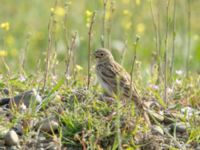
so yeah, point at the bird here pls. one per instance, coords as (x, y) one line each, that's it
(113, 78)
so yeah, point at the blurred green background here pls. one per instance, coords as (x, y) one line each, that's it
(24, 31)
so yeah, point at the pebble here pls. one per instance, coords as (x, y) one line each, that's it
(6, 91)
(154, 115)
(178, 127)
(157, 130)
(11, 138)
(27, 98)
(198, 148)
(3, 131)
(12, 148)
(19, 129)
(49, 125)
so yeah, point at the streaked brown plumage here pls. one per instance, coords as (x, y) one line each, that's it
(115, 80)
(113, 77)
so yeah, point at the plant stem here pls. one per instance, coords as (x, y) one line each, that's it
(133, 63)
(109, 27)
(173, 39)
(189, 37)
(48, 52)
(103, 23)
(165, 53)
(89, 48)
(70, 55)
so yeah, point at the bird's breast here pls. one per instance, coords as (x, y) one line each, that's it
(101, 80)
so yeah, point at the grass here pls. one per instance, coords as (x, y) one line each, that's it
(53, 42)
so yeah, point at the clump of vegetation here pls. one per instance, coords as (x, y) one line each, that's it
(48, 92)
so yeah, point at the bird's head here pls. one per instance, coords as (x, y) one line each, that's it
(102, 55)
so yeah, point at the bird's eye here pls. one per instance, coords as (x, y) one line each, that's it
(101, 54)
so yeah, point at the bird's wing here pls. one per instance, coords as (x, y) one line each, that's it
(115, 76)
(125, 81)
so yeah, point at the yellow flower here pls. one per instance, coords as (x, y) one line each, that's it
(5, 26)
(88, 13)
(79, 68)
(140, 28)
(69, 3)
(3, 53)
(10, 40)
(137, 2)
(88, 17)
(52, 10)
(107, 15)
(126, 12)
(87, 25)
(196, 37)
(60, 11)
(125, 1)
(126, 24)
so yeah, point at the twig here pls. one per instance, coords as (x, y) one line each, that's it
(154, 25)
(70, 50)
(158, 40)
(189, 37)
(24, 50)
(65, 27)
(48, 53)
(133, 62)
(165, 53)
(104, 23)
(89, 48)
(173, 38)
(109, 27)
(123, 52)
(50, 37)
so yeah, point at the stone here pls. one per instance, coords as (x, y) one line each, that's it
(11, 138)
(157, 130)
(3, 131)
(178, 127)
(27, 98)
(156, 115)
(48, 125)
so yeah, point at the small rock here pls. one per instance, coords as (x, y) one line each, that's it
(188, 111)
(156, 115)
(52, 146)
(6, 91)
(11, 138)
(3, 131)
(12, 148)
(157, 130)
(49, 125)
(19, 129)
(2, 148)
(41, 137)
(27, 98)
(178, 127)
(198, 147)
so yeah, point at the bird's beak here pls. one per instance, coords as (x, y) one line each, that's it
(94, 54)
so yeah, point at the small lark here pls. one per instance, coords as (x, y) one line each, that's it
(114, 78)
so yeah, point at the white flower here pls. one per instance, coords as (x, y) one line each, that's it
(178, 82)
(154, 87)
(179, 72)
(37, 95)
(22, 78)
(169, 90)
